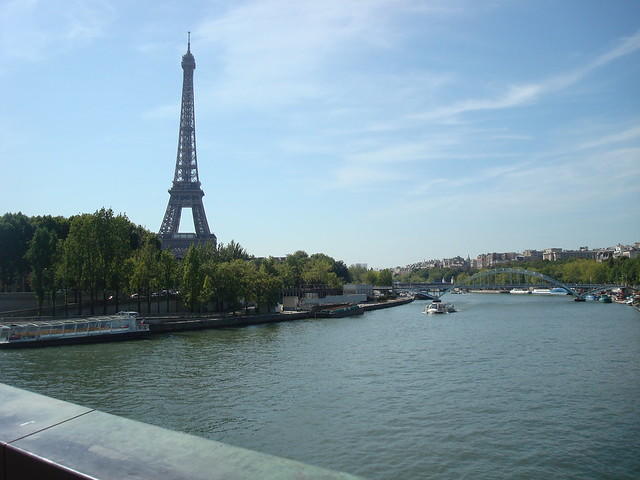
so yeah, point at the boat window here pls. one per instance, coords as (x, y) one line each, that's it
(57, 329)
(4, 333)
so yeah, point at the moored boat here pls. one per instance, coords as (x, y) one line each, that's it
(339, 311)
(558, 291)
(519, 291)
(541, 291)
(605, 299)
(118, 327)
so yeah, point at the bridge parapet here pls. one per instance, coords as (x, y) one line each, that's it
(41, 437)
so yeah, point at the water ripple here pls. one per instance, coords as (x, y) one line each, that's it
(505, 388)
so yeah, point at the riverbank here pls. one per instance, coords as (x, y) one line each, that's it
(175, 324)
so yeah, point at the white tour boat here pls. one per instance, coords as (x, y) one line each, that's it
(439, 307)
(121, 326)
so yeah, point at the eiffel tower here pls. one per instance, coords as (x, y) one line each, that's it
(186, 191)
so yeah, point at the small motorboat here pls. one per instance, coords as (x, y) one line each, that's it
(438, 307)
(605, 299)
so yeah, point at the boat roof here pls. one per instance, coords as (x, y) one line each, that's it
(69, 321)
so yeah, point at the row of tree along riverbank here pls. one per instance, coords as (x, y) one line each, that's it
(100, 262)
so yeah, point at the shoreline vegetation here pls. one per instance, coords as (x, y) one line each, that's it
(104, 260)
(100, 261)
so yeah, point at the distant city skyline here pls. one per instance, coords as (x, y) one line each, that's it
(377, 132)
(631, 250)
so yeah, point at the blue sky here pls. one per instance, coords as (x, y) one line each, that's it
(383, 132)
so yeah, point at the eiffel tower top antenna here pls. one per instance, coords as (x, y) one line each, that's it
(188, 42)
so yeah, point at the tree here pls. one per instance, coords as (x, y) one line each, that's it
(192, 278)
(286, 273)
(318, 271)
(342, 271)
(268, 289)
(168, 272)
(358, 273)
(120, 232)
(372, 277)
(8, 248)
(230, 285)
(297, 262)
(42, 255)
(231, 251)
(15, 233)
(385, 278)
(58, 225)
(81, 257)
(106, 247)
(146, 268)
(208, 290)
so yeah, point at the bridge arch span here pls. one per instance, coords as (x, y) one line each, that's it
(516, 271)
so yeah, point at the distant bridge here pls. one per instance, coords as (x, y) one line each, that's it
(507, 278)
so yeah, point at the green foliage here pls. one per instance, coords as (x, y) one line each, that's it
(146, 268)
(371, 277)
(192, 277)
(81, 258)
(15, 233)
(100, 252)
(385, 278)
(358, 274)
(41, 254)
(342, 271)
(319, 271)
(268, 289)
(231, 251)
(168, 268)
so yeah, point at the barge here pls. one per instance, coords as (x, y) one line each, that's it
(339, 311)
(112, 328)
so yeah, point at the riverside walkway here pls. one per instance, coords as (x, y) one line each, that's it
(198, 322)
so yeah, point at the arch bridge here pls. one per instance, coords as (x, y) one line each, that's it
(508, 278)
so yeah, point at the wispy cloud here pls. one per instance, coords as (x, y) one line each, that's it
(358, 176)
(279, 52)
(519, 189)
(513, 97)
(520, 95)
(629, 134)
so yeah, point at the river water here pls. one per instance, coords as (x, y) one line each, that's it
(507, 387)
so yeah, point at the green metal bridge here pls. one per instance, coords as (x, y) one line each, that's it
(508, 278)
